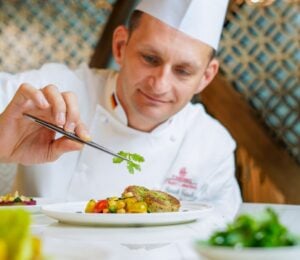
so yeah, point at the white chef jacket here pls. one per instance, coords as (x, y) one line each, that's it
(190, 155)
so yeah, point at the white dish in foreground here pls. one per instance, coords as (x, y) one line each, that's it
(73, 213)
(226, 253)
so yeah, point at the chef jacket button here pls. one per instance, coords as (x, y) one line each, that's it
(172, 138)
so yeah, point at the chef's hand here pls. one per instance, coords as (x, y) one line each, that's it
(24, 141)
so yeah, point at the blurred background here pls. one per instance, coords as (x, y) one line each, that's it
(256, 94)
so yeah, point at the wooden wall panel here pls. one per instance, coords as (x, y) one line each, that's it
(267, 173)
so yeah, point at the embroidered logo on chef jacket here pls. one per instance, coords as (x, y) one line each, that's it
(181, 186)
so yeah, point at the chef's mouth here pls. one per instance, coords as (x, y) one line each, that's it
(153, 99)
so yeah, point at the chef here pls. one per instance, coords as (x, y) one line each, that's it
(165, 56)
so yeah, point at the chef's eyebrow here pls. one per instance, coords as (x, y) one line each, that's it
(192, 64)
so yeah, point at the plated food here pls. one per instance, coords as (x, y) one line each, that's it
(135, 199)
(16, 200)
(248, 231)
(73, 213)
(252, 237)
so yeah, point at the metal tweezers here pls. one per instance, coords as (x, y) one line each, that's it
(72, 136)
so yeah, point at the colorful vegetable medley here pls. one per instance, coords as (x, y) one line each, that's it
(135, 199)
(127, 204)
(16, 199)
(248, 231)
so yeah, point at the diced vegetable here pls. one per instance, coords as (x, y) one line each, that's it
(129, 202)
(100, 206)
(137, 207)
(121, 211)
(112, 206)
(105, 211)
(90, 206)
(121, 204)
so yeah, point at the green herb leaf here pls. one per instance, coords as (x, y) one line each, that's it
(136, 157)
(131, 166)
(117, 160)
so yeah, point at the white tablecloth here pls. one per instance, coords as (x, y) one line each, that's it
(173, 242)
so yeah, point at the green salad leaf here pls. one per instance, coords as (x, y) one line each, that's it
(135, 159)
(250, 231)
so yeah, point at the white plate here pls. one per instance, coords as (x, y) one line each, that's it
(73, 213)
(31, 208)
(225, 253)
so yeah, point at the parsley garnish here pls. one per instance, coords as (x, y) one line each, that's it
(135, 159)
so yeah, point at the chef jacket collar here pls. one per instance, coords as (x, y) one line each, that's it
(113, 105)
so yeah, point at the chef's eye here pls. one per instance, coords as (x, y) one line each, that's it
(182, 72)
(150, 59)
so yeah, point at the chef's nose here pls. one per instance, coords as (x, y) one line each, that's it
(160, 81)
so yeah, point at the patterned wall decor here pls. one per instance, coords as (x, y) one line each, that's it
(33, 32)
(260, 56)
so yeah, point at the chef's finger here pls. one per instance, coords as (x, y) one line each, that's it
(26, 93)
(57, 103)
(72, 114)
(82, 132)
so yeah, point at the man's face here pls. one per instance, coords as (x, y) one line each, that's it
(160, 70)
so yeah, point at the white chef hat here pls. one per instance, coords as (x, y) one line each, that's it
(200, 19)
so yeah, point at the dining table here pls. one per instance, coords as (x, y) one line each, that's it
(175, 242)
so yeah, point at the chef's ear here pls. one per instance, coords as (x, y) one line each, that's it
(120, 38)
(209, 74)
